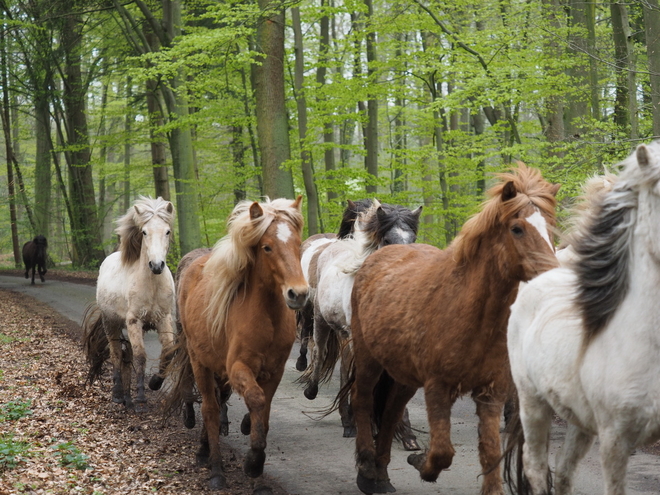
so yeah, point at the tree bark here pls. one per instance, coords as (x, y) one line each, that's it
(625, 109)
(652, 28)
(372, 104)
(272, 121)
(301, 102)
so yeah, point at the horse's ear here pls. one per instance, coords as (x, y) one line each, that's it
(376, 203)
(417, 212)
(170, 207)
(297, 203)
(350, 205)
(509, 191)
(642, 153)
(256, 211)
(137, 210)
(555, 189)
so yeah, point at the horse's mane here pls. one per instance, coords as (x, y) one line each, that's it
(229, 264)
(129, 226)
(351, 212)
(602, 245)
(530, 186)
(364, 239)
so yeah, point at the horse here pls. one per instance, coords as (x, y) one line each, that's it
(583, 338)
(310, 250)
(235, 308)
(431, 318)
(379, 226)
(34, 256)
(135, 291)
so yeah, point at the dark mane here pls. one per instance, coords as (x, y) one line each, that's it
(353, 209)
(602, 245)
(530, 186)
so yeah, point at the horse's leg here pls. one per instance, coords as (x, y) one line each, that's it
(614, 455)
(33, 269)
(42, 272)
(536, 420)
(126, 371)
(224, 392)
(136, 337)
(441, 451)
(489, 410)
(345, 410)
(306, 321)
(404, 430)
(319, 354)
(211, 416)
(398, 396)
(367, 373)
(113, 334)
(166, 339)
(243, 381)
(576, 444)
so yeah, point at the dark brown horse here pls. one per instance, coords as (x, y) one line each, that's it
(436, 319)
(235, 311)
(34, 257)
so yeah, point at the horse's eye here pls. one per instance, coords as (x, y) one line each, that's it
(517, 230)
(167, 233)
(144, 233)
(268, 249)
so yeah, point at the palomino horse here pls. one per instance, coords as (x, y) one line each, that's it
(34, 257)
(583, 339)
(235, 310)
(436, 319)
(134, 290)
(310, 250)
(379, 226)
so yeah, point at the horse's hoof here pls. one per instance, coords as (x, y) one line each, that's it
(301, 363)
(410, 444)
(218, 482)
(224, 429)
(118, 399)
(350, 432)
(189, 417)
(246, 424)
(311, 391)
(262, 490)
(417, 461)
(156, 382)
(202, 459)
(370, 486)
(254, 463)
(141, 406)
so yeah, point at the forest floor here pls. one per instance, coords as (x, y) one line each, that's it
(58, 435)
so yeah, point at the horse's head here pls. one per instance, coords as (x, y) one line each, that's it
(397, 224)
(278, 252)
(145, 233)
(41, 241)
(527, 232)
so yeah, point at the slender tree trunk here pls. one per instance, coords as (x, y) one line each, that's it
(590, 17)
(128, 128)
(554, 107)
(624, 115)
(652, 27)
(301, 101)
(577, 107)
(272, 121)
(372, 104)
(42, 168)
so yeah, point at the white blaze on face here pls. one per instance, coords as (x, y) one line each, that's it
(537, 220)
(404, 234)
(283, 232)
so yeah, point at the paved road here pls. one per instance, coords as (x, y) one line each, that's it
(309, 456)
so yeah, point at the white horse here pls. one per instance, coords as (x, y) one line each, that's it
(135, 291)
(583, 340)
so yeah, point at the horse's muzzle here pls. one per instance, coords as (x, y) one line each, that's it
(296, 299)
(157, 268)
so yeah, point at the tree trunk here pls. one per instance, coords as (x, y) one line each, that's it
(554, 106)
(42, 169)
(625, 111)
(272, 121)
(305, 158)
(181, 147)
(372, 104)
(652, 27)
(84, 223)
(577, 107)
(128, 121)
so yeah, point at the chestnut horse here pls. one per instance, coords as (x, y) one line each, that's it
(423, 317)
(238, 328)
(34, 257)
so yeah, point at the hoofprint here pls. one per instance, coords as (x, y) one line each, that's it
(583, 340)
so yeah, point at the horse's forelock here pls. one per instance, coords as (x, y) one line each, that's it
(530, 187)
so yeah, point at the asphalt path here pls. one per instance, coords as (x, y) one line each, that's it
(307, 455)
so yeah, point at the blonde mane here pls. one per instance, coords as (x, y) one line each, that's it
(129, 226)
(229, 264)
(530, 186)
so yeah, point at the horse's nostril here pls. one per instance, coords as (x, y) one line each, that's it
(291, 294)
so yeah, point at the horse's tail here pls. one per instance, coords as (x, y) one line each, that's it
(514, 475)
(94, 341)
(179, 370)
(327, 366)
